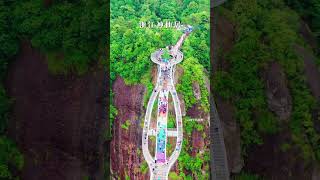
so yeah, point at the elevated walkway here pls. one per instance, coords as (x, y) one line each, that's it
(219, 163)
(171, 132)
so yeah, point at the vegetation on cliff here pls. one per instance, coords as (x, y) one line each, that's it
(267, 31)
(131, 46)
(193, 167)
(193, 72)
(310, 11)
(69, 33)
(11, 160)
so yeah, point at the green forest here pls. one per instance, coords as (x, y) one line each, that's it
(266, 31)
(131, 48)
(310, 12)
(71, 35)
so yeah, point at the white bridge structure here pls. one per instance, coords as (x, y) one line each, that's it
(160, 164)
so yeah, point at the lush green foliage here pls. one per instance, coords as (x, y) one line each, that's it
(193, 165)
(71, 34)
(193, 73)
(174, 176)
(131, 46)
(171, 121)
(126, 125)
(4, 110)
(190, 124)
(310, 10)
(113, 113)
(11, 159)
(8, 40)
(166, 54)
(127, 177)
(266, 30)
(147, 81)
(242, 84)
(144, 167)
(281, 40)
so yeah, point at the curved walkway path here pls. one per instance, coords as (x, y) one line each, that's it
(160, 165)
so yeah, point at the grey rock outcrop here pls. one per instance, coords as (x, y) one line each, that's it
(196, 90)
(182, 105)
(316, 172)
(278, 96)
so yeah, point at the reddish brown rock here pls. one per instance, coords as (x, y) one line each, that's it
(55, 119)
(197, 142)
(128, 99)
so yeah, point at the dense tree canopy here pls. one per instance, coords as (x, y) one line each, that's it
(266, 30)
(310, 10)
(11, 161)
(131, 48)
(8, 39)
(72, 34)
(65, 30)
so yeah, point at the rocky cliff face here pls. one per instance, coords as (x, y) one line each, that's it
(196, 90)
(225, 37)
(316, 172)
(125, 156)
(125, 152)
(308, 36)
(277, 92)
(269, 159)
(55, 119)
(231, 130)
(312, 71)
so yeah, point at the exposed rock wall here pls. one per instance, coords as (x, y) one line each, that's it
(312, 71)
(231, 133)
(54, 119)
(278, 96)
(125, 158)
(231, 130)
